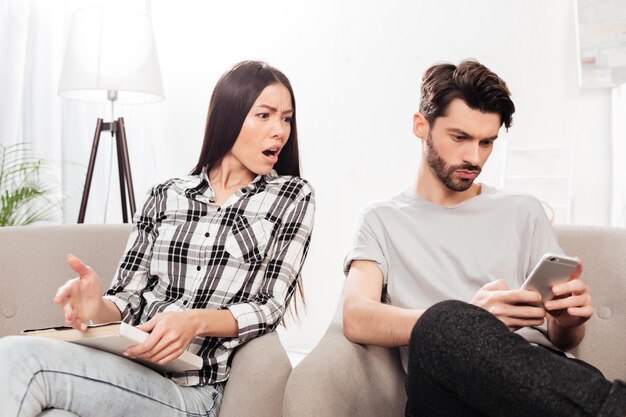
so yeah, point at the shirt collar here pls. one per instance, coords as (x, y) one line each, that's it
(271, 176)
(195, 180)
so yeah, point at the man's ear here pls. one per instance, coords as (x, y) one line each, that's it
(420, 126)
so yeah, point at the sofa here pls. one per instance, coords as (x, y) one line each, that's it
(33, 266)
(342, 379)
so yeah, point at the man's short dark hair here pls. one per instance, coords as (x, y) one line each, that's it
(480, 88)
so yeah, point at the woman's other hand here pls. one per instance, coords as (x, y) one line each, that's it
(170, 335)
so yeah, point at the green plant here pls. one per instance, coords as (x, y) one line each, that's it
(25, 197)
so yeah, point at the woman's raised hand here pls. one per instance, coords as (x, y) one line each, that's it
(80, 298)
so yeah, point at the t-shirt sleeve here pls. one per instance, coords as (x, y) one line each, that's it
(367, 244)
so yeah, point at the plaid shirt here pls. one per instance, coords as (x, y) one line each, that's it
(245, 256)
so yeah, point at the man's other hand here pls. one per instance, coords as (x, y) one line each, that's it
(515, 308)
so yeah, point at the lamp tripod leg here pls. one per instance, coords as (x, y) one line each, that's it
(121, 172)
(92, 161)
(123, 164)
(121, 131)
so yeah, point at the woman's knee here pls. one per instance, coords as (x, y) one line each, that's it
(11, 346)
(19, 349)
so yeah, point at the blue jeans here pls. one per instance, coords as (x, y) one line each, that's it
(38, 373)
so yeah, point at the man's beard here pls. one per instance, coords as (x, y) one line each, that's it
(444, 172)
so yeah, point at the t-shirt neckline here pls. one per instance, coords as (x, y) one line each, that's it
(485, 190)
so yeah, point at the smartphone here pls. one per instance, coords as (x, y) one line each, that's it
(550, 270)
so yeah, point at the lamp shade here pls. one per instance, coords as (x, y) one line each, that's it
(111, 50)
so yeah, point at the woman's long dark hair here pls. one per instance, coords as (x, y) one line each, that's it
(233, 96)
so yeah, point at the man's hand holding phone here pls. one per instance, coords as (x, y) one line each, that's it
(570, 304)
(564, 294)
(554, 286)
(516, 308)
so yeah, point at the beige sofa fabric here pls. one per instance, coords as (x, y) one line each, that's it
(342, 379)
(32, 266)
(603, 251)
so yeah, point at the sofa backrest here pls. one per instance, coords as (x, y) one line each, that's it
(603, 252)
(33, 266)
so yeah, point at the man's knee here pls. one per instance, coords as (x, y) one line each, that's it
(446, 324)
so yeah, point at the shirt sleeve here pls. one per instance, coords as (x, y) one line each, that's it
(286, 258)
(366, 244)
(132, 276)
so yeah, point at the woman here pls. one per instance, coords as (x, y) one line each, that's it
(212, 263)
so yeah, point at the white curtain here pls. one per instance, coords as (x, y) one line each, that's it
(32, 43)
(618, 136)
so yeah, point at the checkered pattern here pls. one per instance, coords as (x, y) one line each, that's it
(245, 255)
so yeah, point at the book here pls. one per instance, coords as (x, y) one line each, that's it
(115, 338)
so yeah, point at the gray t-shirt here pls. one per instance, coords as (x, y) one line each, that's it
(429, 253)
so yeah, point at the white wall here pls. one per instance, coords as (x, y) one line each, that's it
(355, 67)
(618, 133)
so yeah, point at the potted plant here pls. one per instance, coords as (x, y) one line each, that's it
(24, 196)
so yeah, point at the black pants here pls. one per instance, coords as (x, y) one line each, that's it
(463, 361)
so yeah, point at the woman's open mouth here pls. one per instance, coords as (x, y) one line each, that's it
(271, 154)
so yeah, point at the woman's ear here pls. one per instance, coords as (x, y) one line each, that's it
(420, 126)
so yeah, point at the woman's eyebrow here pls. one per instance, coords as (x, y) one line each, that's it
(273, 109)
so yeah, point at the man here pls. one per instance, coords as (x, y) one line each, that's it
(498, 351)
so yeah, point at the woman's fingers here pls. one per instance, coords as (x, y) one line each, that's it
(170, 351)
(77, 265)
(169, 358)
(164, 343)
(68, 311)
(69, 298)
(65, 292)
(145, 349)
(83, 294)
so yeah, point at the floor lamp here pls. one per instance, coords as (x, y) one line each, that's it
(118, 132)
(111, 58)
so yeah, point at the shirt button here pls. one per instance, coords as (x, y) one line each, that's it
(198, 267)
(219, 209)
(207, 234)
(244, 190)
(185, 302)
